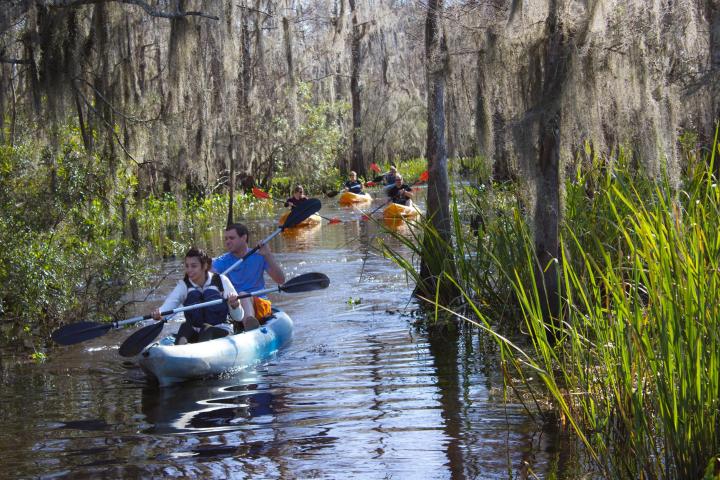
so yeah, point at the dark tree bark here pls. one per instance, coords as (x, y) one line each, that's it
(356, 57)
(556, 55)
(437, 255)
(287, 39)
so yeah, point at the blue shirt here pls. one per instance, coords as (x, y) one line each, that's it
(246, 277)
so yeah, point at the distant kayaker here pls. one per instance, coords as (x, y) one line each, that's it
(249, 275)
(297, 198)
(400, 193)
(353, 185)
(201, 285)
(389, 176)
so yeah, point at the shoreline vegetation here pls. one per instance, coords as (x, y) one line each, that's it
(632, 363)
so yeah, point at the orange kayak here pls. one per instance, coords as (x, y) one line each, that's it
(308, 222)
(395, 210)
(348, 198)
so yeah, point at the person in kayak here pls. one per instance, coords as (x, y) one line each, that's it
(400, 193)
(297, 198)
(389, 176)
(249, 275)
(353, 185)
(201, 285)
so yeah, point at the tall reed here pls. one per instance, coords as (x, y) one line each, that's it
(635, 371)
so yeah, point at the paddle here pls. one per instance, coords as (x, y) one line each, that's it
(257, 193)
(136, 342)
(423, 178)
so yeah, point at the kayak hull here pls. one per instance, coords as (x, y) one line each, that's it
(169, 364)
(395, 210)
(311, 221)
(349, 198)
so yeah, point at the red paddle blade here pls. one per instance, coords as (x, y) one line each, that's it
(424, 176)
(334, 220)
(257, 193)
(370, 184)
(374, 167)
(365, 218)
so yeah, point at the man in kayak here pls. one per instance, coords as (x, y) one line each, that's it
(389, 177)
(353, 185)
(201, 285)
(249, 275)
(297, 198)
(400, 193)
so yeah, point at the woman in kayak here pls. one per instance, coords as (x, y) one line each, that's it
(201, 285)
(297, 198)
(353, 185)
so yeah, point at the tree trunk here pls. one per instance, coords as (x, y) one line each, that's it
(287, 38)
(547, 207)
(437, 253)
(357, 163)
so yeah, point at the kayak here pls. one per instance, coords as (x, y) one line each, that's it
(348, 198)
(308, 222)
(168, 363)
(395, 210)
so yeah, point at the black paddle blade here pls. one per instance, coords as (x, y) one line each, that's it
(79, 332)
(306, 282)
(302, 211)
(331, 193)
(136, 342)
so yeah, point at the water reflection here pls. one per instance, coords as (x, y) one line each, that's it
(207, 406)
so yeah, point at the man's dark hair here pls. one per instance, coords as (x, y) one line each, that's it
(240, 229)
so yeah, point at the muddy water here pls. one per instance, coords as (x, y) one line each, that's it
(360, 393)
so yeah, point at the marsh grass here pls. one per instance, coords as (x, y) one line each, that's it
(632, 365)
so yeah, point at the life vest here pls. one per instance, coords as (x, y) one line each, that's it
(215, 314)
(354, 187)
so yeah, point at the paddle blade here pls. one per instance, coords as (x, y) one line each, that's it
(365, 218)
(257, 193)
(301, 212)
(424, 176)
(79, 332)
(374, 167)
(332, 193)
(306, 282)
(136, 342)
(334, 220)
(379, 178)
(370, 184)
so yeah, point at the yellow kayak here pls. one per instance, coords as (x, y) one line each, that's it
(395, 210)
(348, 198)
(308, 222)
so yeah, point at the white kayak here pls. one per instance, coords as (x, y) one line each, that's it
(169, 363)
